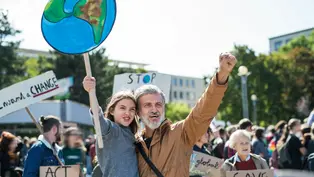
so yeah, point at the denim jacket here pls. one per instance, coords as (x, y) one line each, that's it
(40, 154)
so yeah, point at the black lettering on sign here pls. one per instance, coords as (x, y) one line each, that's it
(13, 100)
(153, 77)
(66, 170)
(206, 163)
(262, 174)
(235, 174)
(51, 173)
(131, 80)
(55, 172)
(138, 77)
(44, 87)
(28, 95)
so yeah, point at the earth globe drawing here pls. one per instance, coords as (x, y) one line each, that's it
(77, 26)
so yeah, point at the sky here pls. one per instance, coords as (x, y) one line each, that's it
(180, 37)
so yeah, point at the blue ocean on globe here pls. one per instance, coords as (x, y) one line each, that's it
(73, 35)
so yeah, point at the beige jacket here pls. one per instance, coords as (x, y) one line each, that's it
(172, 144)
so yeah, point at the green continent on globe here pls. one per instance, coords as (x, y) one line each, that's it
(94, 12)
(54, 11)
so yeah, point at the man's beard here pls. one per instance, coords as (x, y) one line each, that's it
(153, 125)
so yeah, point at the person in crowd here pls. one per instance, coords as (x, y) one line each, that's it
(8, 156)
(89, 142)
(310, 119)
(118, 127)
(290, 149)
(217, 143)
(258, 144)
(306, 135)
(279, 127)
(73, 153)
(310, 145)
(92, 148)
(246, 124)
(45, 152)
(270, 134)
(227, 149)
(200, 146)
(240, 140)
(24, 151)
(223, 134)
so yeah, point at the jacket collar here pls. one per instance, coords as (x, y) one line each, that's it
(232, 160)
(47, 144)
(237, 158)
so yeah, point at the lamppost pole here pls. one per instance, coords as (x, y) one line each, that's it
(243, 73)
(254, 101)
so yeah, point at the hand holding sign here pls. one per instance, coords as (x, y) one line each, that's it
(89, 83)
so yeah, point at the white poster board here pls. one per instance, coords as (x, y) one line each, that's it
(205, 165)
(251, 173)
(60, 171)
(133, 81)
(28, 92)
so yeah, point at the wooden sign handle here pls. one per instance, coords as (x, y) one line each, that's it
(42, 132)
(94, 103)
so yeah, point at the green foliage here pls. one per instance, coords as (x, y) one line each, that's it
(279, 80)
(177, 111)
(11, 66)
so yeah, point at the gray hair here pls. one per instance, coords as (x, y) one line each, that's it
(234, 138)
(148, 89)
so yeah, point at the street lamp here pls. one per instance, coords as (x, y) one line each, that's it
(244, 73)
(254, 100)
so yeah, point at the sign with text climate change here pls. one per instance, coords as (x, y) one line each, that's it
(133, 81)
(28, 92)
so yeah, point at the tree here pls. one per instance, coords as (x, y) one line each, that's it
(73, 65)
(301, 52)
(177, 111)
(279, 80)
(11, 66)
(266, 81)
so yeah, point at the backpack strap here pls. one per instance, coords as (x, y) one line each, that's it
(148, 161)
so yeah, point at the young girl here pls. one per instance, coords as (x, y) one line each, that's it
(118, 126)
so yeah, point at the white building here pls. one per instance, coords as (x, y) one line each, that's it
(276, 42)
(186, 89)
(31, 53)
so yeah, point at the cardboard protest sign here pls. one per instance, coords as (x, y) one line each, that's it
(205, 165)
(251, 173)
(60, 171)
(28, 92)
(134, 80)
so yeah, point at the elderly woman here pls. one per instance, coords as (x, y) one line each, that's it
(240, 140)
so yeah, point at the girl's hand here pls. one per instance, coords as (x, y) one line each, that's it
(89, 83)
